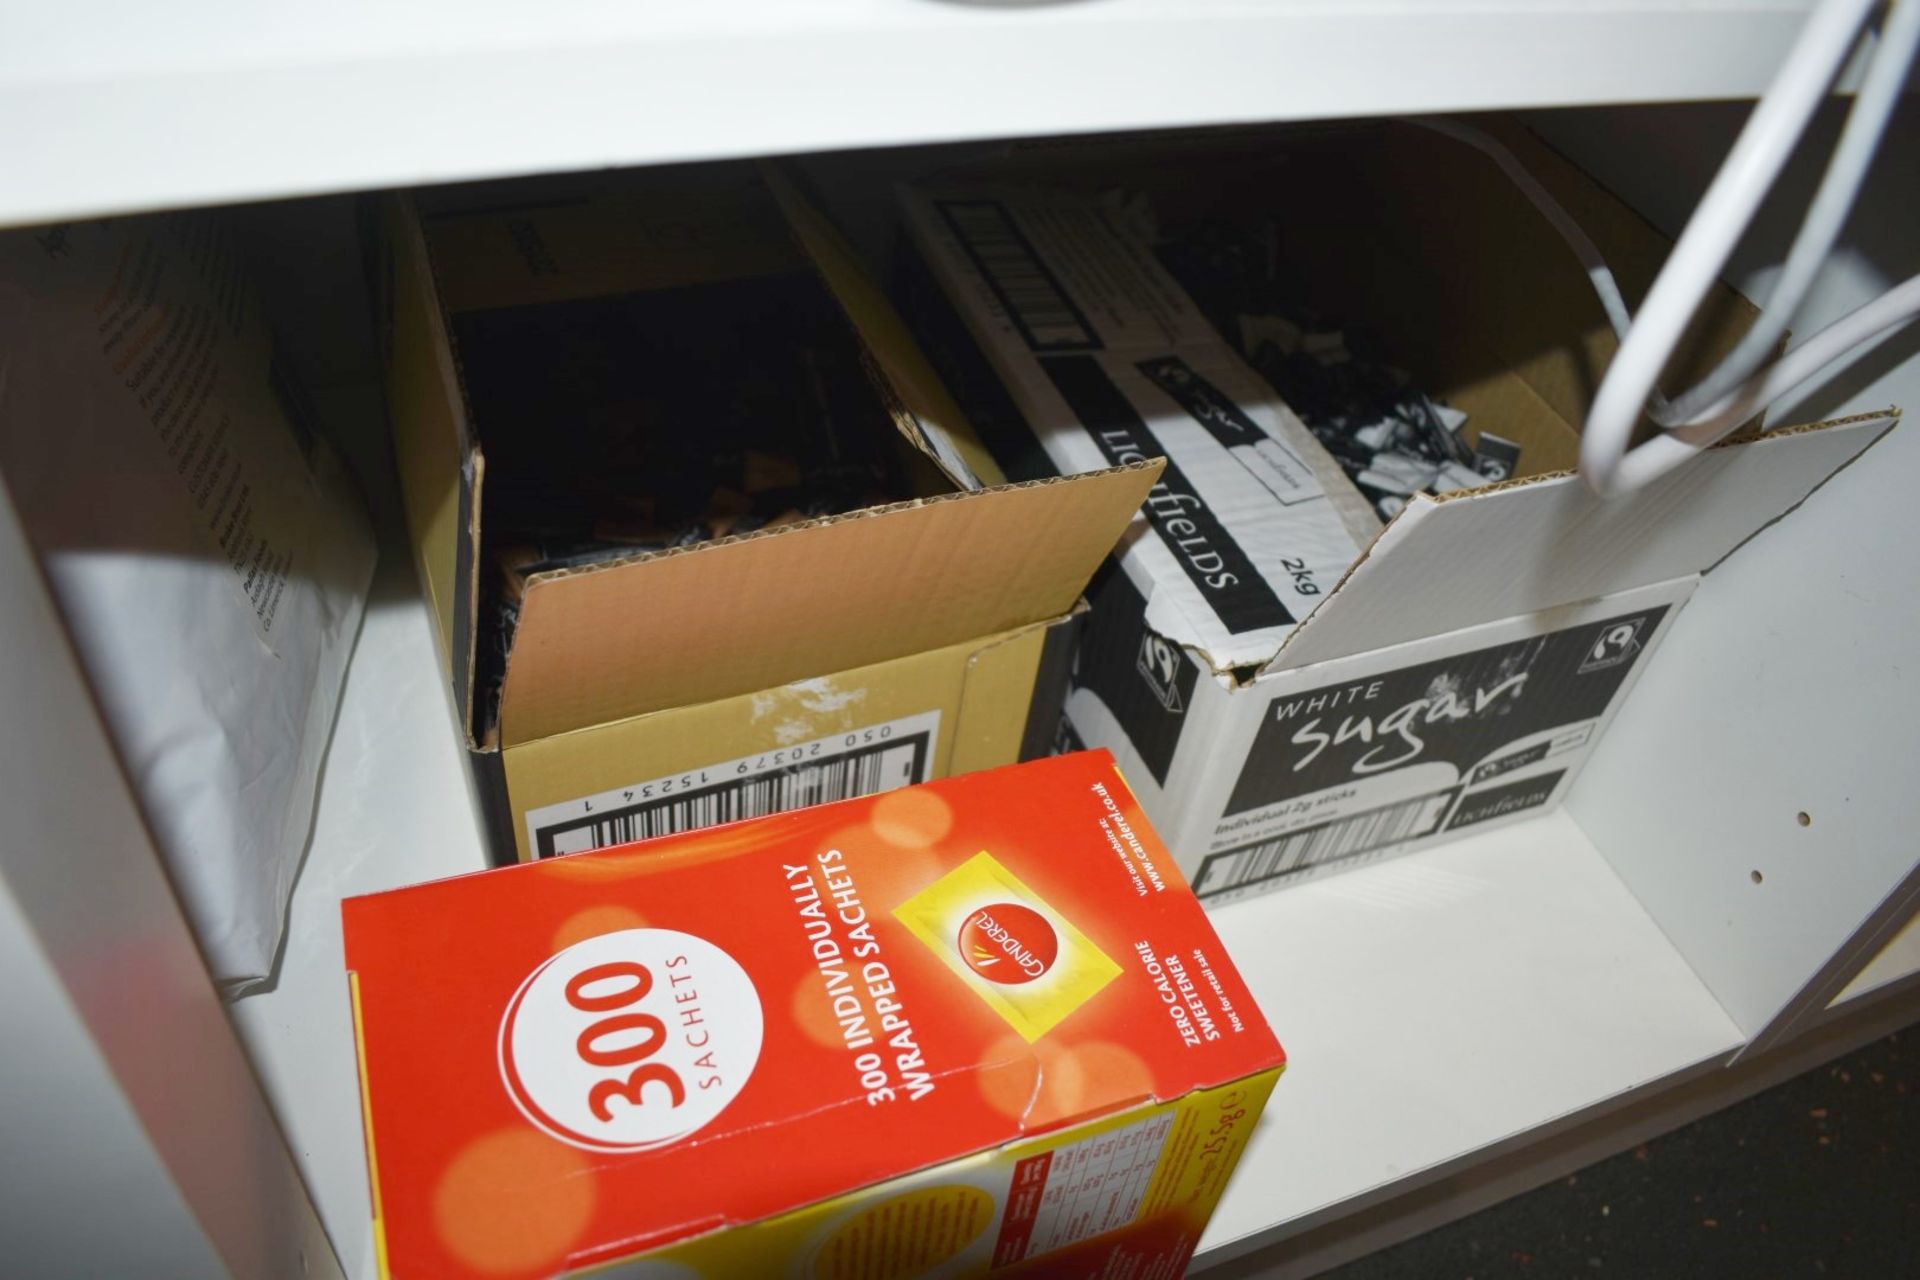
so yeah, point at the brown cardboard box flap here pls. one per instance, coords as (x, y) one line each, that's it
(439, 467)
(1550, 541)
(621, 640)
(943, 432)
(537, 241)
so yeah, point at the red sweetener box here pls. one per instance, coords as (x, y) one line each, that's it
(969, 1028)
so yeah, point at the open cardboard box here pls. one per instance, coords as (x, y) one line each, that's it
(747, 674)
(1465, 664)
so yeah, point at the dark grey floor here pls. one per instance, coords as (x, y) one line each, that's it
(1819, 1176)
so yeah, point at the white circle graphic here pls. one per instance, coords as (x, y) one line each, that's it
(630, 1040)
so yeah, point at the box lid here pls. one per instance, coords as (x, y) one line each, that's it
(525, 1033)
(723, 618)
(931, 418)
(1467, 558)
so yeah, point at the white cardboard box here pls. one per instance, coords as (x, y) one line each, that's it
(1315, 769)
(1361, 695)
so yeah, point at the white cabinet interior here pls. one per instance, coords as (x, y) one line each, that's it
(1466, 1009)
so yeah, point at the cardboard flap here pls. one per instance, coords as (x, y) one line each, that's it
(525, 242)
(1455, 562)
(938, 428)
(440, 467)
(732, 617)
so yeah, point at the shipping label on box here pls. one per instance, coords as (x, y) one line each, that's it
(1109, 361)
(978, 1026)
(853, 733)
(1324, 767)
(862, 761)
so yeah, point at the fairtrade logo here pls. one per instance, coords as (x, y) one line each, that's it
(1613, 646)
(1008, 943)
(1159, 663)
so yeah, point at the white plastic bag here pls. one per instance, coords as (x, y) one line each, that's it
(210, 557)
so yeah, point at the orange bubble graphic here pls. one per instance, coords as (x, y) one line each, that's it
(1009, 1073)
(813, 1012)
(1112, 1075)
(513, 1201)
(594, 921)
(913, 818)
(1046, 1084)
(851, 841)
(883, 873)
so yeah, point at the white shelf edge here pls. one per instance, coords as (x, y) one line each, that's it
(212, 101)
(1898, 962)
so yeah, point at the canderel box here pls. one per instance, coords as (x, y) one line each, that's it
(974, 1027)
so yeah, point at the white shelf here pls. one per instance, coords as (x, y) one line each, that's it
(128, 106)
(1438, 1006)
(1433, 1007)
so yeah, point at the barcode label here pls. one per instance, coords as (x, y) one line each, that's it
(1299, 851)
(1031, 294)
(840, 766)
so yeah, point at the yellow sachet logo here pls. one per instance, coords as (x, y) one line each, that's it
(1022, 957)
